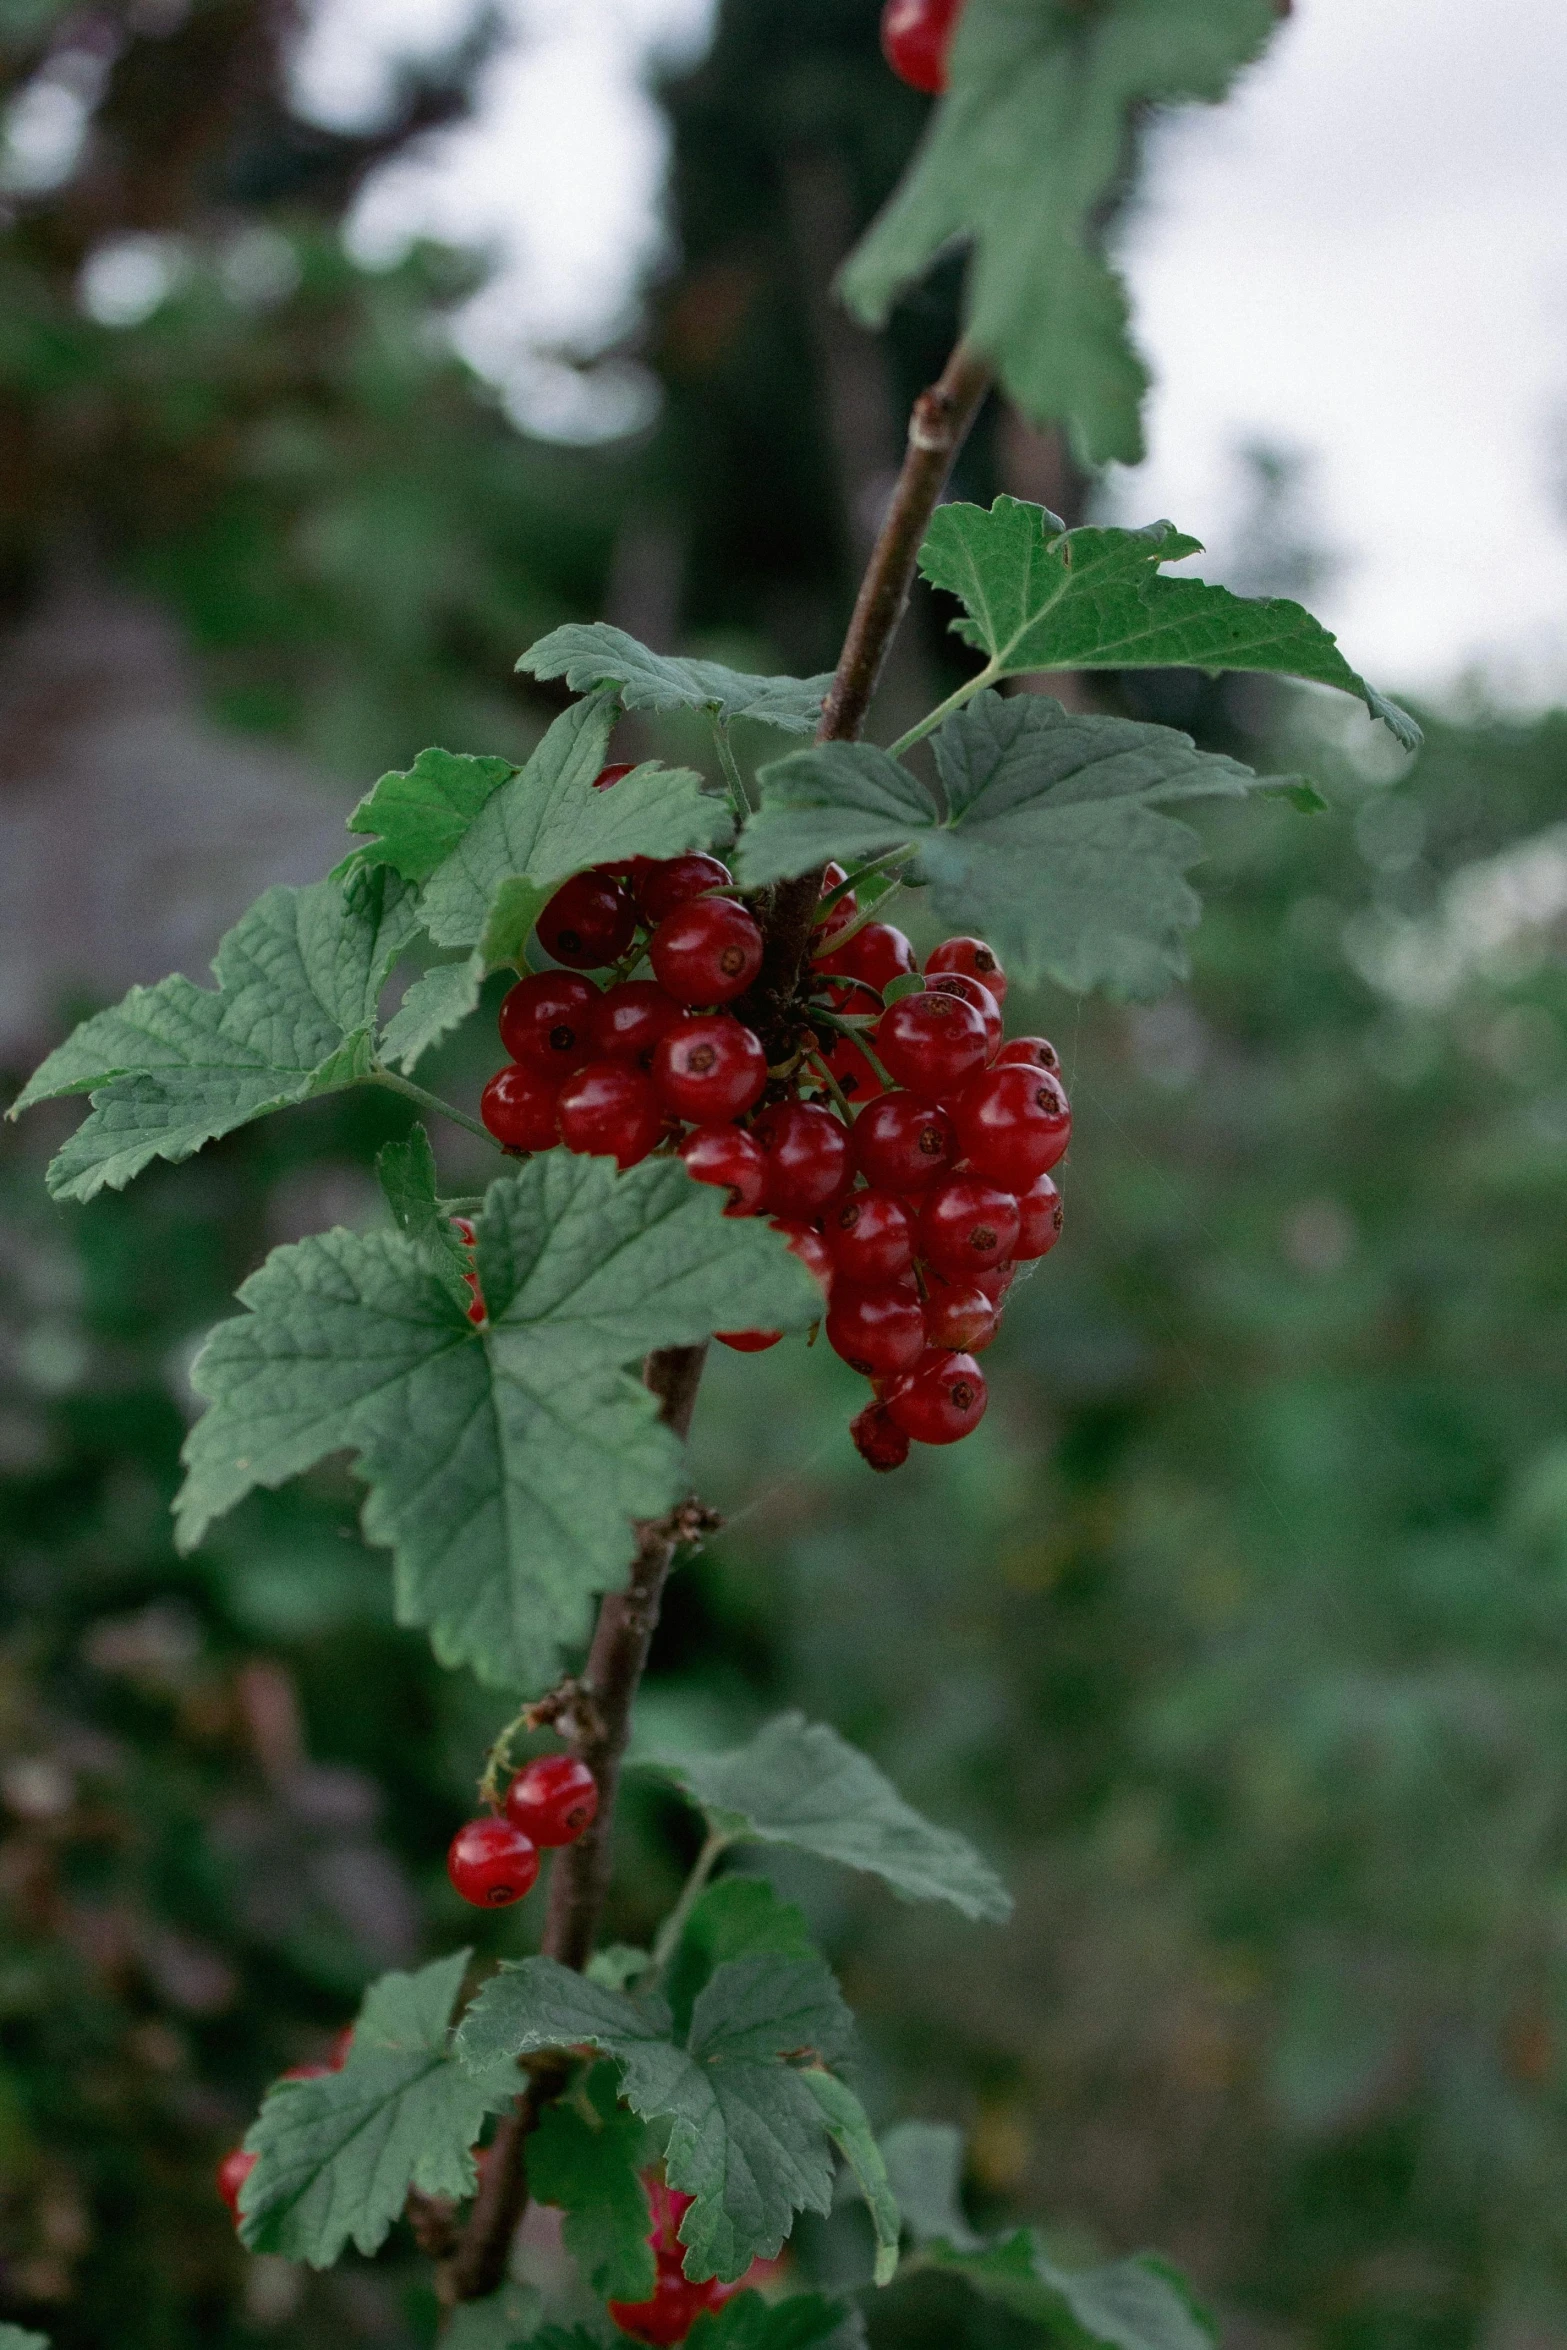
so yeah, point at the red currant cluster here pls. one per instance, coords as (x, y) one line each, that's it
(915, 38)
(676, 2303)
(494, 1860)
(237, 2165)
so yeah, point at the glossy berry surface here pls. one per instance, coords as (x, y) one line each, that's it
(553, 1800)
(839, 914)
(608, 777)
(1039, 1218)
(967, 1226)
(667, 882)
(590, 921)
(959, 1315)
(518, 1107)
(609, 1110)
(709, 1069)
(628, 1021)
(853, 1072)
(876, 1331)
(973, 991)
(723, 1155)
(915, 38)
(706, 952)
(675, 2306)
(1013, 1123)
(878, 1439)
(807, 1153)
(748, 1342)
(974, 959)
(930, 1043)
(546, 1022)
(901, 1144)
(941, 1401)
(876, 955)
(491, 1863)
(232, 2172)
(1036, 1052)
(809, 1246)
(871, 1236)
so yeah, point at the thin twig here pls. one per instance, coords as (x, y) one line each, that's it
(431, 1101)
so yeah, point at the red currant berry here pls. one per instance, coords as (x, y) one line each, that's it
(709, 1069)
(878, 1439)
(876, 955)
(628, 1021)
(996, 1282)
(337, 2054)
(706, 952)
(974, 958)
(668, 882)
(518, 1107)
(839, 914)
(589, 921)
(1039, 1218)
(931, 1043)
(608, 777)
(877, 1331)
(233, 2171)
(669, 2206)
(915, 38)
(941, 1400)
(901, 1144)
(476, 1311)
(725, 1156)
(307, 2072)
(1035, 1052)
(748, 1342)
(959, 1315)
(668, 2317)
(852, 1072)
(809, 1246)
(871, 1235)
(609, 1110)
(966, 1226)
(546, 1022)
(463, 1227)
(807, 1152)
(974, 992)
(491, 1863)
(1013, 1123)
(553, 1799)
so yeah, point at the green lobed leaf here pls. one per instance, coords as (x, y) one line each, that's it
(420, 814)
(739, 1917)
(746, 2136)
(798, 1783)
(591, 654)
(505, 2321)
(1137, 2304)
(925, 2171)
(438, 1001)
(750, 2323)
(336, 2156)
(851, 2133)
(1039, 596)
(292, 1016)
(1053, 841)
(506, 1466)
(408, 1179)
(548, 822)
(1018, 163)
(590, 2169)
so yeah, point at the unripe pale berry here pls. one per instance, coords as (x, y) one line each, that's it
(589, 921)
(609, 1110)
(553, 1799)
(973, 956)
(546, 1022)
(706, 952)
(491, 1863)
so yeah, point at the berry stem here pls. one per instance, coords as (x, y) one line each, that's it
(673, 1927)
(943, 710)
(744, 806)
(431, 1101)
(874, 912)
(833, 1087)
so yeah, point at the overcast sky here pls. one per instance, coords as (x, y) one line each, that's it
(1362, 257)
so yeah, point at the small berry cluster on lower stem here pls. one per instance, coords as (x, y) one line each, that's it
(237, 2164)
(494, 1860)
(675, 2303)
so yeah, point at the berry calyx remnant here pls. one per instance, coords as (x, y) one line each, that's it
(553, 1800)
(709, 1068)
(491, 1863)
(974, 959)
(878, 1439)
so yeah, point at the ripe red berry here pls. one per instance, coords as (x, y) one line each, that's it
(901, 1144)
(807, 1152)
(809, 1246)
(931, 1043)
(974, 992)
(337, 2053)
(589, 921)
(628, 1021)
(232, 2172)
(855, 1077)
(748, 1342)
(941, 1400)
(1013, 1123)
(706, 952)
(553, 1799)
(972, 956)
(673, 2310)
(959, 1315)
(609, 1110)
(725, 1156)
(878, 1439)
(491, 1863)
(915, 38)
(546, 1021)
(307, 2072)
(607, 777)
(464, 1228)
(876, 955)
(871, 1236)
(518, 1107)
(967, 1225)
(667, 882)
(877, 1331)
(1035, 1052)
(709, 1068)
(996, 1282)
(477, 1311)
(1039, 1218)
(839, 914)
(669, 2206)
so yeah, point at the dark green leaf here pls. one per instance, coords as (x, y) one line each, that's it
(590, 2169)
(18, 2338)
(740, 1917)
(292, 1016)
(505, 2321)
(506, 1465)
(750, 2323)
(1138, 2304)
(1042, 597)
(437, 1002)
(798, 1783)
(1018, 162)
(591, 654)
(925, 2170)
(336, 2156)
(852, 2135)
(407, 1172)
(420, 815)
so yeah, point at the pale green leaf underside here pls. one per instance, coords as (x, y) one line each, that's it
(337, 2156)
(176, 1065)
(1053, 842)
(506, 1467)
(438, 1001)
(747, 2137)
(1137, 2304)
(798, 1783)
(591, 654)
(420, 814)
(850, 2130)
(1040, 597)
(1019, 159)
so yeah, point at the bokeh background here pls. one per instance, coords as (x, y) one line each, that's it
(343, 353)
